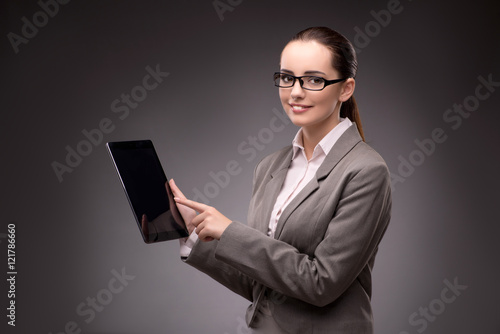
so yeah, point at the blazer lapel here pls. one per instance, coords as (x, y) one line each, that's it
(344, 144)
(272, 190)
(295, 202)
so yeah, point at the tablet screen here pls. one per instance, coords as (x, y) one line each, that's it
(143, 180)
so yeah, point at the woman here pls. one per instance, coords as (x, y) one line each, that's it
(318, 211)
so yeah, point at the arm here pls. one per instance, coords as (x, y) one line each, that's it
(202, 257)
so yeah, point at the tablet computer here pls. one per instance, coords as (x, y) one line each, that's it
(147, 190)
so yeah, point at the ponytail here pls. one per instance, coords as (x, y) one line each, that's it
(349, 109)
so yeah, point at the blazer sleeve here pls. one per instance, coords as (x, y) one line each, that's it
(202, 257)
(350, 242)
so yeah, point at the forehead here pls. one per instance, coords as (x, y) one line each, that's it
(301, 56)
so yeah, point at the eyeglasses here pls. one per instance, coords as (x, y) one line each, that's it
(285, 80)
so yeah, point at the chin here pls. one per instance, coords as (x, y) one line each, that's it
(297, 121)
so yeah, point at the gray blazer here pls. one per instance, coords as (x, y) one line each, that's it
(315, 276)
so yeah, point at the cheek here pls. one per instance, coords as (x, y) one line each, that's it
(282, 94)
(284, 97)
(327, 101)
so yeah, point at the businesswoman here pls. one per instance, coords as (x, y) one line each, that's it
(318, 211)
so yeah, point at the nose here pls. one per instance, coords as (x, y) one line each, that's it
(297, 90)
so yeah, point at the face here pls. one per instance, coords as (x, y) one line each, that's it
(312, 109)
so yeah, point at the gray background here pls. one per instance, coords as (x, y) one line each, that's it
(72, 234)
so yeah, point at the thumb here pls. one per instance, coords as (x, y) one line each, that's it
(175, 190)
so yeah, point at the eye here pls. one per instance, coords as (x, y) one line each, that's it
(286, 78)
(315, 81)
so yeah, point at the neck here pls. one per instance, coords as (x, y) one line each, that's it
(312, 134)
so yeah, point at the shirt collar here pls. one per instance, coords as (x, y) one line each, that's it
(325, 144)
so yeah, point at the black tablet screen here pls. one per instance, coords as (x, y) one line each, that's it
(143, 179)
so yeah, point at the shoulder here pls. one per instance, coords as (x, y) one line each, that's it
(275, 158)
(351, 155)
(367, 165)
(365, 155)
(271, 163)
(359, 153)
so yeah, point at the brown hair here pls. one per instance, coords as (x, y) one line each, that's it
(344, 60)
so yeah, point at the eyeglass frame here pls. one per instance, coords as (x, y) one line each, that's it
(301, 82)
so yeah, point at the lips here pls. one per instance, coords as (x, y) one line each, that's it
(299, 108)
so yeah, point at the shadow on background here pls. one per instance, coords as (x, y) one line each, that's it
(73, 77)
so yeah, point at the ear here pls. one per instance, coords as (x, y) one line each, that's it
(347, 90)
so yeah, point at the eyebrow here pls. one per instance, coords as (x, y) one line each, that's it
(306, 72)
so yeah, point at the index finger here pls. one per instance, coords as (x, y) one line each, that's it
(200, 207)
